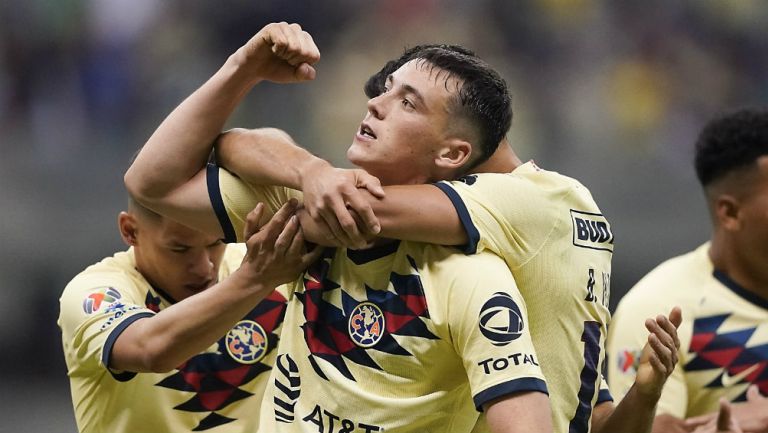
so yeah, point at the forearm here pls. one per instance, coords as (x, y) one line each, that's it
(635, 413)
(182, 143)
(526, 412)
(265, 156)
(164, 341)
(420, 213)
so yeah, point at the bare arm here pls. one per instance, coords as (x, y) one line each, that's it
(526, 412)
(166, 174)
(635, 413)
(162, 342)
(410, 212)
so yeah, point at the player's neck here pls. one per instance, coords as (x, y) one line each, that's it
(504, 160)
(732, 261)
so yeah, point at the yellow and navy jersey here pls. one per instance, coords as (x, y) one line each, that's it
(218, 390)
(558, 245)
(723, 337)
(404, 337)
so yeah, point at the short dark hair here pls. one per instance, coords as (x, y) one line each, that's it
(731, 142)
(483, 97)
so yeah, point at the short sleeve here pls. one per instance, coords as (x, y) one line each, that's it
(604, 394)
(491, 332)
(626, 338)
(232, 199)
(94, 312)
(500, 212)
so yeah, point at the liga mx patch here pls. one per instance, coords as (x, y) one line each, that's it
(101, 297)
(628, 360)
(366, 324)
(501, 320)
(247, 342)
(591, 230)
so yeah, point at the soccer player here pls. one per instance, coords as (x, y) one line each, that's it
(721, 285)
(157, 340)
(399, 337)
(546, 226)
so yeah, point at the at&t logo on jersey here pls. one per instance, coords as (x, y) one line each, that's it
(500, 319)
(366, 324)
(591, 230)
(247, 342)
(101, 297)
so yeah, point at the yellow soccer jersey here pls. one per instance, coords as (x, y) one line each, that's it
(218, 390)
(558, 245)
(723, 337)
(405, 337)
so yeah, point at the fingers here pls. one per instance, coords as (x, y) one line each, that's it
(670, 329)
(364, 211)
(295, 46)
(286, 237)
(664, 351)
(312, 256)
(676, 316)
(275, 226)
(724, 416)
(753, 393)
(700, 420)
(369, 182)
(252, 221)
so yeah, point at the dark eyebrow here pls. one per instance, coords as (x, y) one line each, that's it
(407, 88)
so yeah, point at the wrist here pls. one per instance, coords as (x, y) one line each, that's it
(308, 170)
(249, 282)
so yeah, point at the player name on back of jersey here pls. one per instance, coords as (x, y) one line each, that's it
(591, 230)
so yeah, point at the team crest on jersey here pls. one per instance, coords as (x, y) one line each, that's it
(628, 360)
(247, 342)
(366, 324)
(501, 320)
(101, 297)
(591, 230)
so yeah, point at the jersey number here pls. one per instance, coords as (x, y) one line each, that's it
(591, 339)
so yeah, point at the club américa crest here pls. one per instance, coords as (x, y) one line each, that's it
(247, 342)
(366, 324)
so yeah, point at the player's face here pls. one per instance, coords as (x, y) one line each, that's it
(177, 259)
(753, 237)
(405, 126)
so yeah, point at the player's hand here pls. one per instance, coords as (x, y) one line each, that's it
(659, 355)
(333, 199)
(752, 415)
(276, 251)
(721, 422)
(282, 53)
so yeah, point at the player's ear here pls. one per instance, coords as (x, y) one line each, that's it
(129, 228)
(727, 209)
(454, 154)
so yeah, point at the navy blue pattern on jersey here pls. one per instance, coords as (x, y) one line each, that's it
(327, 326)
(728, 352)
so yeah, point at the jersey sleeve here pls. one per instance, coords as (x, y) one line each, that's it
(626, 338)
(604, 394)
(500, 212)
(94, 312)
(490, 332)
(232, 199)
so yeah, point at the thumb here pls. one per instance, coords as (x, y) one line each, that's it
(724, 416)
(676, 316)
(371, 183)
(305, 72)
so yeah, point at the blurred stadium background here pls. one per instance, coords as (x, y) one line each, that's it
(612, 93)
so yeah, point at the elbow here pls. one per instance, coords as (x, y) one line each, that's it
(140, 187)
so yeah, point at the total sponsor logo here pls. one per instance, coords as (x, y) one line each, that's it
(492, 365)
(500, 319)
(591, 230)
(100, 297)
(116, 311)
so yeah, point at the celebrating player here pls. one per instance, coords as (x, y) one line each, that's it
(155, 339)
(723, 285)
(400, 337)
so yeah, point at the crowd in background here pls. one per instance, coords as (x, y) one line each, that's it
(612, 93)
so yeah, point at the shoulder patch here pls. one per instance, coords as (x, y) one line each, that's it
(591, 230)
(100, 297)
